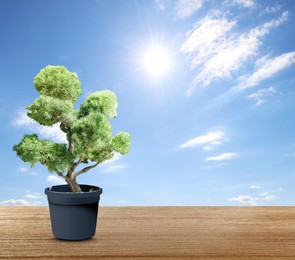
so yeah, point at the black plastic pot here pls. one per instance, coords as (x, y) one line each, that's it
(73, 215)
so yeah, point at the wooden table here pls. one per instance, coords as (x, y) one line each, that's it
(155, 233)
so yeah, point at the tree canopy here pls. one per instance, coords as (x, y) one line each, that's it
(88, 130)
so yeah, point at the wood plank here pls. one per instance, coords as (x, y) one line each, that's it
(156, 233)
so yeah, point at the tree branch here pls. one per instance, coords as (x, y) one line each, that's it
(86, 169)
(75, 165)
(55, 170)
(71, 145)
(59, 173)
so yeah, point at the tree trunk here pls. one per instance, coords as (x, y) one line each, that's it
(73, 184)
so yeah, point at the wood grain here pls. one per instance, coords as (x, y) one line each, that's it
(155, 233)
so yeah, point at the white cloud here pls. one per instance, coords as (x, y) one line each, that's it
(255, 187)
(208, 148)
(23, 170)
(161, 5)
(22, 119)
(246, 199)
(266, 197)
(116, 157)
(260, 95)
(209, 139)
(19, 202)
(53, 133)
(33, 196)
(270, 68)
(269, 197)
(112, 168)
(110, 164)
(222, 157)
(218, 51)
(272, 9)
(122, 202)
(55, 179)
(244, 3)
(204, 39)
(185, 8)
(263, 194)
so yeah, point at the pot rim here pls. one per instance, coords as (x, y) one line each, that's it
(66, 197)
(83, 186)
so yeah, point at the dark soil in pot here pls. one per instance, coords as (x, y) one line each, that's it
(73, 215)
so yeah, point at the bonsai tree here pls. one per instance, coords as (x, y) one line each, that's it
(88, 131)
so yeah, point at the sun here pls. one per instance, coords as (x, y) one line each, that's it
(157, 61)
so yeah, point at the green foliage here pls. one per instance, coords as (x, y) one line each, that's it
(50, 154)
(88, 130)
(121, 143)
(48, 110)
(58, 82)
(101, 152)
(90, 133)
(104, 102)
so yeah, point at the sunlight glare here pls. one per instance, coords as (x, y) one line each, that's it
(156, 61)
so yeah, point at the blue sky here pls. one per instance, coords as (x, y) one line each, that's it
(215, 128)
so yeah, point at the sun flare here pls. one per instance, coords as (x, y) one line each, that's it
(157, 61)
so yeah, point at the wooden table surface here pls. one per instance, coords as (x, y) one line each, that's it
(155, 233)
